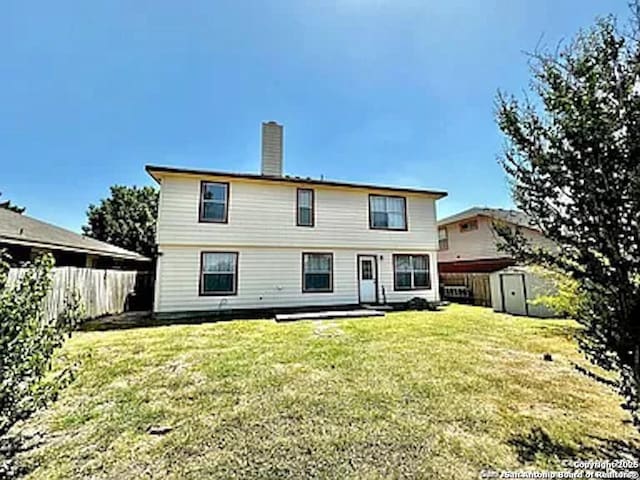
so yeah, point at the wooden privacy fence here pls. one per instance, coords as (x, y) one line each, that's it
(477, 283)
(102, 292)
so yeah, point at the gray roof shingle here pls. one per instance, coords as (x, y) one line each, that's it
(20, 229)
(511, 216)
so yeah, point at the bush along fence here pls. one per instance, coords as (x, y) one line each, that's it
(102, 292)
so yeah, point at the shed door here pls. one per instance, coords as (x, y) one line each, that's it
(513, 293)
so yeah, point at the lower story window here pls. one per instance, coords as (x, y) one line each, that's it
(219, 273)
(411, 272)
(317, 272)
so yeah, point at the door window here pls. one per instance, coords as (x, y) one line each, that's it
(367, 270)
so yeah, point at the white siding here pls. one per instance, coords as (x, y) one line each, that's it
(272, 277)
(479, 244)
(263, 214)
(262, 229)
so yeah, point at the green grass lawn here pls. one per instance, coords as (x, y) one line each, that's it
(436, 395)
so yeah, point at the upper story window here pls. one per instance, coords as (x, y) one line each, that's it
(387, 212)
(411, 272)
(219, 273)
(443, 239)
(305, 207)
(214, 202)
(468, 226)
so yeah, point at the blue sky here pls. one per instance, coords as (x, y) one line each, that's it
(393, 92)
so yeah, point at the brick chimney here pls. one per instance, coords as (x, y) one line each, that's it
(271, 149)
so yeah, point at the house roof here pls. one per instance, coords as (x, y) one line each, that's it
(154, 170)
(512, 216)
(18, 229)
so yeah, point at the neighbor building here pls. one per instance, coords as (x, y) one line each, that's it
(469, 243)
(469, 252)
(240, 241)
(24, 237)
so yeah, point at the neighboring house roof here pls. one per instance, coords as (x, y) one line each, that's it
(155, 170)
(511, 216)
(19, 229)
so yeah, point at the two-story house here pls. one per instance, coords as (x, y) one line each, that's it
(468, 242)
(232, 241)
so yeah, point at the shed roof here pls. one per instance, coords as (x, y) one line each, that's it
(20, 229)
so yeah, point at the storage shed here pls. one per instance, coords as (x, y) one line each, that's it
(513, 289)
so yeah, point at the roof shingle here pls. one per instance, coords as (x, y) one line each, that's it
(19, 229)
(512, 216)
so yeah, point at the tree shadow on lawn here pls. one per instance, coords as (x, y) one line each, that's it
(539, 442)
(11, 447)
(548, 330)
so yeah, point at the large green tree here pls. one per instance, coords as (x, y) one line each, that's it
(126, 219)
(573, 157)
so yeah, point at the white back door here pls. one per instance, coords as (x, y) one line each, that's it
(367, 272)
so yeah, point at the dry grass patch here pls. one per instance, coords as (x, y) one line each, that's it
(435, 395)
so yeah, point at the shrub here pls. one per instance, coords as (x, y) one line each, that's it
(27, 341)
(418, 303)
(567, 300)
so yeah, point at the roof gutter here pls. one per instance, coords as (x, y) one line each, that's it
(153, 171)
(66, 248)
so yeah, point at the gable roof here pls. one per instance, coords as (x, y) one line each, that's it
(154, 170)
(19, 229)
(511, 216)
